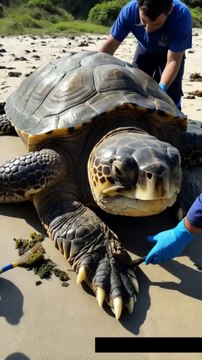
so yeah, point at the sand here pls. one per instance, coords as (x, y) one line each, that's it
(50, 322)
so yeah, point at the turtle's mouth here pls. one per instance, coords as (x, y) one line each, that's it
(121, 205)
(138, 193)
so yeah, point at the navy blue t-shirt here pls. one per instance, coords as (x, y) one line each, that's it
(194, 214)
(175, 34)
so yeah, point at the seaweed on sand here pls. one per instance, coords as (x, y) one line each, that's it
(41, 266)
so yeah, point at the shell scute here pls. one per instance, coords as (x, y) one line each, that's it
(71, 91)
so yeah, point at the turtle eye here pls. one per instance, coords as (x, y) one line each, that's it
(125, 170)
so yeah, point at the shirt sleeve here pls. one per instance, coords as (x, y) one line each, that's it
(194, 214)
(124, 22)
(182, 36)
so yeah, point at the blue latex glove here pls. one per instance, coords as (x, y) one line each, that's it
(169, 244)
(163, 86)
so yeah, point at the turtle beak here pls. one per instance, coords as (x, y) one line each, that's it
(113, 190)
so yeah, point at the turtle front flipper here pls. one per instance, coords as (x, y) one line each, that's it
(93, 250)
(191, 149)
(191, 188)
(5, 126)
(24, 176)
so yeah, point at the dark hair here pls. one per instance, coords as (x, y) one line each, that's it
(153, 8)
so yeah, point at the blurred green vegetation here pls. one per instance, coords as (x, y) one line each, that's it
(197, 16)
(23, 19)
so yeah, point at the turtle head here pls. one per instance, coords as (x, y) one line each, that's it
(134, 174)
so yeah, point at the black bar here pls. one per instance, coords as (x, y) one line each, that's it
(148, 344)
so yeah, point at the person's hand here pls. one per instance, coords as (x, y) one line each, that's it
(169, 244)
(163, 86)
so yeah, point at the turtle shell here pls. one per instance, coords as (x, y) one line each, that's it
(64, 94)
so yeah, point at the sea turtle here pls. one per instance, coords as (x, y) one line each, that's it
(99, 133)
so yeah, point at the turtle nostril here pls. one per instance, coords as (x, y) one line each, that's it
(149, 175)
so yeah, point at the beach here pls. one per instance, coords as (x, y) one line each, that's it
(41, 319)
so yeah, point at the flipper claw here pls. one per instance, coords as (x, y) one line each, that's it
(117, 306)
(130, 305)
(133, 280)
(82, 276)
(100, 295)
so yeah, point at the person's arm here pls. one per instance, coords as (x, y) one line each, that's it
(110, 45)
(190, 227)
(171, 243)
(171, 69)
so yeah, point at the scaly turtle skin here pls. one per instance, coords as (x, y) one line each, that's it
(99, 133)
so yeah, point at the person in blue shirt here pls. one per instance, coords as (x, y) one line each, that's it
(171, 243)
(163, 29)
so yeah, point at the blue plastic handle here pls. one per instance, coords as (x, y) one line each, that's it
(6, 267)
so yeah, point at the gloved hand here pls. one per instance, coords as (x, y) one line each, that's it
(163, 86)
(169, 244)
